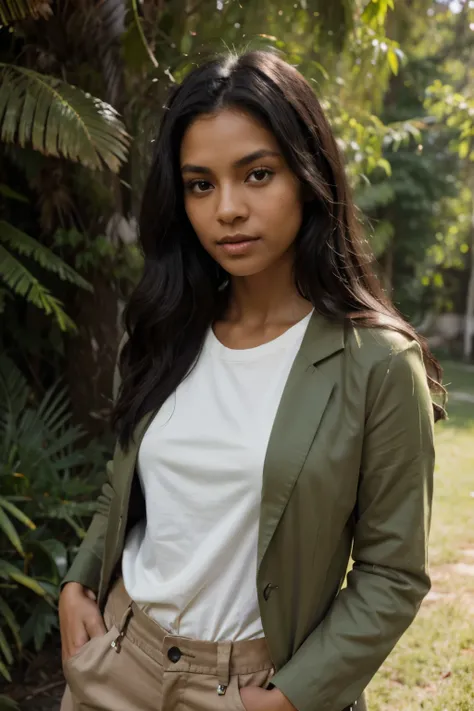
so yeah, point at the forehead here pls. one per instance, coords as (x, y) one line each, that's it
(224, 137)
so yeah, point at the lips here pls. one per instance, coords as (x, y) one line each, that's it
(238, 245)
(235, 239)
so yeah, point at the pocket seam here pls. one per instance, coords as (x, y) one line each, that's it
(87, 644)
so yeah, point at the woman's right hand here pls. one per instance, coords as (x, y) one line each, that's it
(79, 618)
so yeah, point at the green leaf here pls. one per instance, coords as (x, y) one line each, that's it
(10, 620)
(383, 163)
(20, 280)
(42, 622)
(16, 512)
(10, 571)
(28, 582)
(463, 149)
(11, 194)
(5, 648)
(45, 257)
(58, 553)
(7, 704)
(6, 675)
(393, 61)
(59, 119)
(10, 532)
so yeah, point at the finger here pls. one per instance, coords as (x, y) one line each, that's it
(78, 638)
(95, 626)
(74, 643)
(90, 594)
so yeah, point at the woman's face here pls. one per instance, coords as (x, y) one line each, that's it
(237, 186)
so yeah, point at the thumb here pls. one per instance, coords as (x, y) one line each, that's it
(90, 594)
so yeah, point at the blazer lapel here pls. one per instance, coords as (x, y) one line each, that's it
(304, 399)
(125, 459)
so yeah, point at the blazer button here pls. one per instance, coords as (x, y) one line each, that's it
(268, 590)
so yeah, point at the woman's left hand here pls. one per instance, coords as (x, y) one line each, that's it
(255, 698)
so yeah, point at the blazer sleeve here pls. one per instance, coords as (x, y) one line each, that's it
(87, 564)
(389, 578)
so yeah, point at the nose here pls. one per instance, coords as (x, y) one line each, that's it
(231, 205)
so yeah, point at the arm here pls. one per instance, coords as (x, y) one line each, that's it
(389, 578)
(87, 564)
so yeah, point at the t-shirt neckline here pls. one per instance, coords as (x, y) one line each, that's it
(265, 349)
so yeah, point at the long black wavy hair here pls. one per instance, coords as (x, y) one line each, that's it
(182, 289)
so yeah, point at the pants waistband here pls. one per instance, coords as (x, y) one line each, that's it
(176, 653)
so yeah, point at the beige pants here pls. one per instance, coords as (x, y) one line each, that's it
(138, 666)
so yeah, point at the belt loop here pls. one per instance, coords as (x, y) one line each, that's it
(224, 650)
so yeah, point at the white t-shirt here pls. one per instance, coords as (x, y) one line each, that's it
(191, 565)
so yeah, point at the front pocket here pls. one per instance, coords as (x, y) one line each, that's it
(239, 681)
(233, 691)
(80, 651)
(90, 657)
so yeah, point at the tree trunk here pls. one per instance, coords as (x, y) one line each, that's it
(91, 356)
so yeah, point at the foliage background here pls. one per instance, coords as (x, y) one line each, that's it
(82, 85)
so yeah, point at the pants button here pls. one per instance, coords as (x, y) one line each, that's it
(174, 654)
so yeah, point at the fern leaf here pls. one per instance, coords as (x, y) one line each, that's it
(45, 257)
(59, 119)
(20, 280)
(13, 398)
(54, 409)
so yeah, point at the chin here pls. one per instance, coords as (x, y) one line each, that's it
(243, 267)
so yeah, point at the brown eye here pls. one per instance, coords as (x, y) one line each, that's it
(261, 175)
(198, 186)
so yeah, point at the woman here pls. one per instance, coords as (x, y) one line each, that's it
(274, 415)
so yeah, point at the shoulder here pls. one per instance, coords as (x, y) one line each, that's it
(389, 366)
(371, 347)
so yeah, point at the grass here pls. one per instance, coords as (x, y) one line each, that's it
(432, 667)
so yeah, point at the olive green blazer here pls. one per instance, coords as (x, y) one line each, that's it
(348, 470)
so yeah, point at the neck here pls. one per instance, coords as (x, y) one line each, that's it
(269, 297)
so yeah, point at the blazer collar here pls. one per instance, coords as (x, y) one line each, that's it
(323, 338)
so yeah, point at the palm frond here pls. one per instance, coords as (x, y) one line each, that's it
(16, 512)
(54, 409)
(45, 257)
(8, 616)
(59, 119)
(8, 571)
(8, 529)
(13, 394)
(20, 280)
(13, 10)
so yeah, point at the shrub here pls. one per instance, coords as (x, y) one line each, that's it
(48, 482)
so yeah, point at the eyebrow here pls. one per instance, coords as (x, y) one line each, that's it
(250, 158)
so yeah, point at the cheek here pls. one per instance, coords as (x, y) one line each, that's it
(283, 211)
